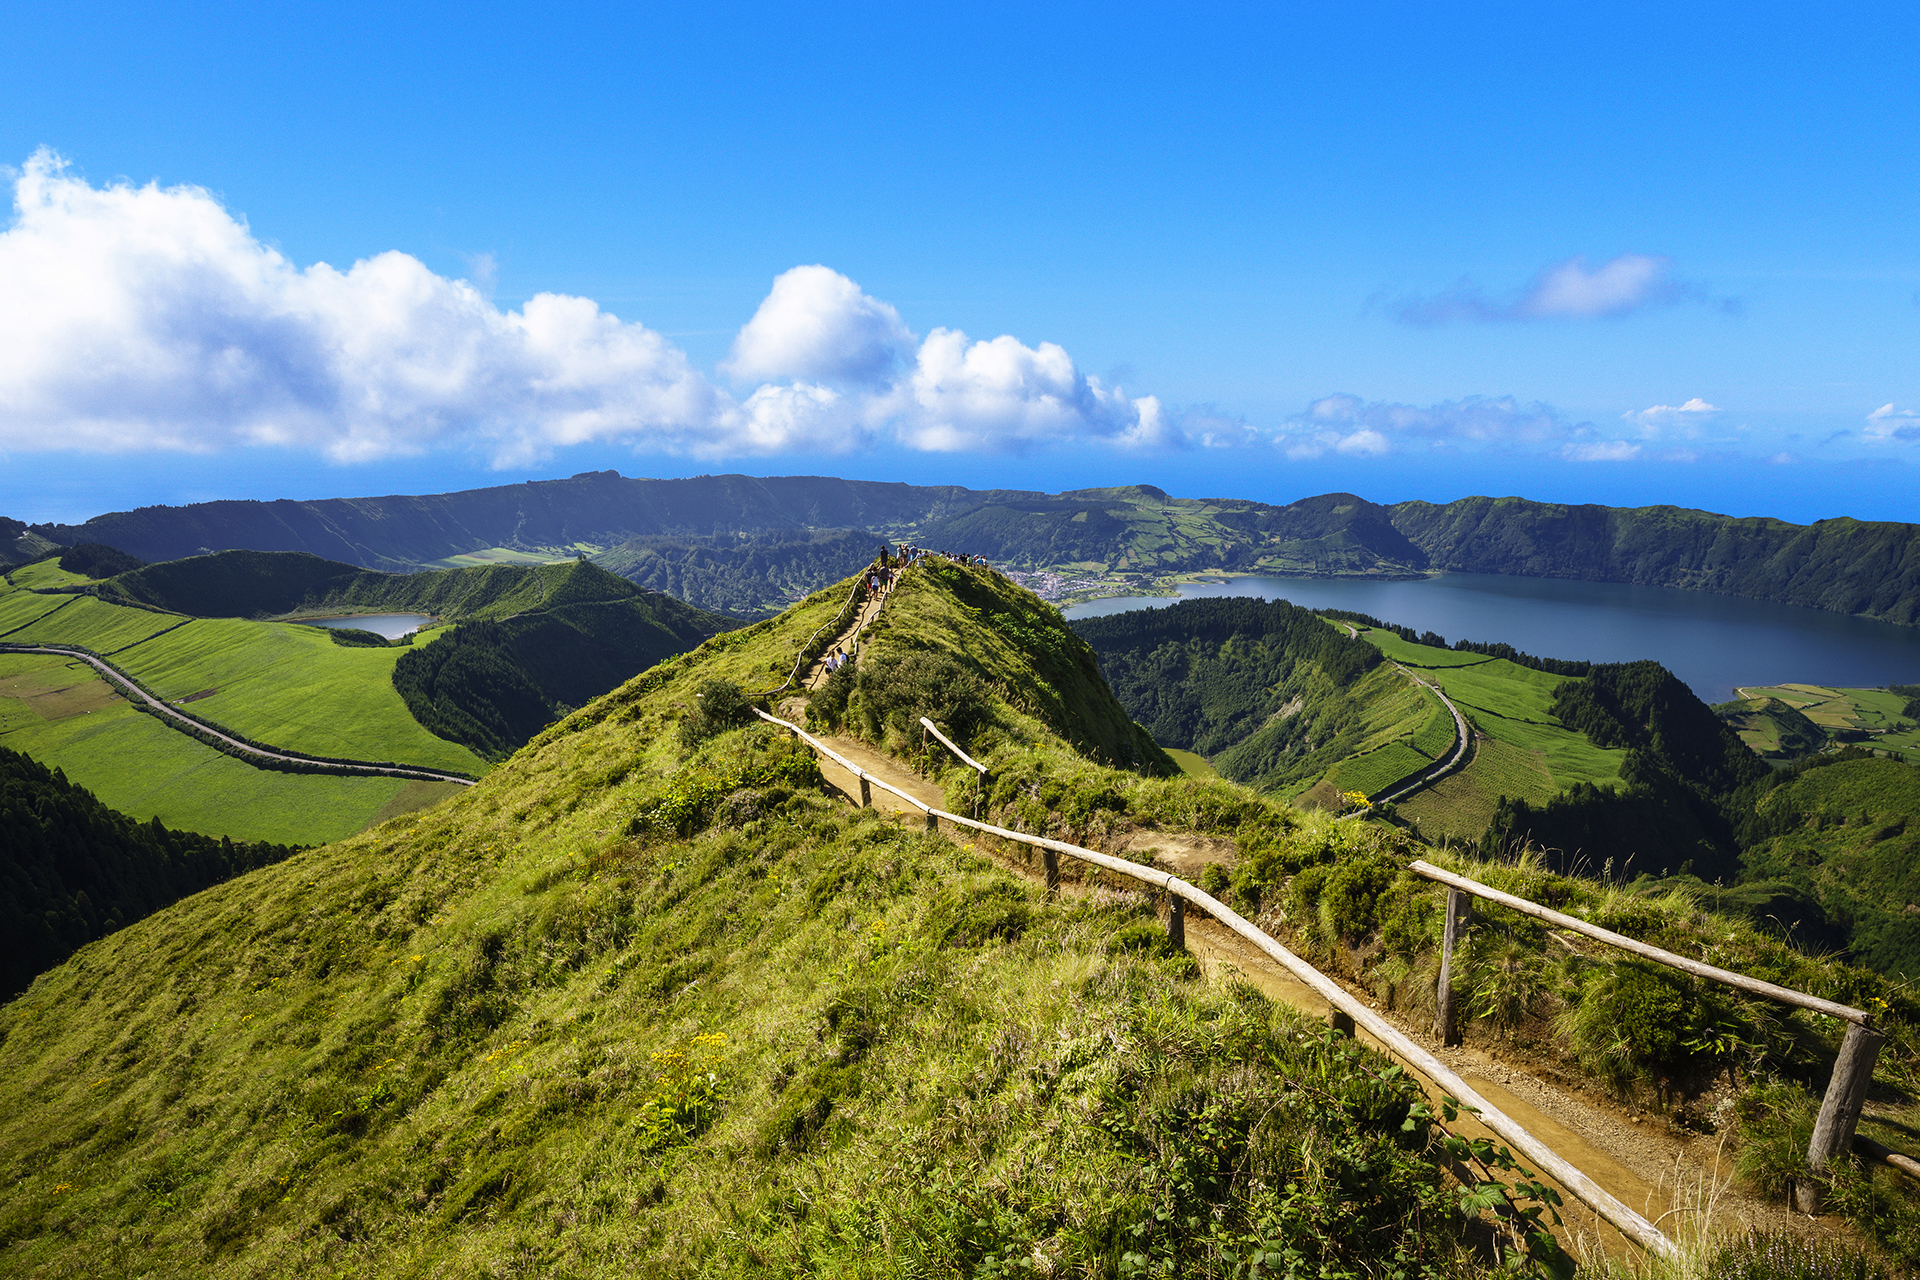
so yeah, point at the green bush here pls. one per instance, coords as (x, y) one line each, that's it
(719, 705)
(897, 688)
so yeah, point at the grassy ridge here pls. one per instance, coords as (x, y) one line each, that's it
(138, 766)
(630, 1007)
(797, 1038)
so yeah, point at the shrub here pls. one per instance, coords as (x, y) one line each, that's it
(718, 705)
(898, 688)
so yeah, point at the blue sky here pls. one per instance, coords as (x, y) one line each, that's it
(1632, 255)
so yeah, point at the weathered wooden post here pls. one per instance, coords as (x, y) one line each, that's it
(866, 793)
(1840, 1109)
(1177, 922)
(1052, 861)
(1459, 915)
(933, 823)
(1341, 1021)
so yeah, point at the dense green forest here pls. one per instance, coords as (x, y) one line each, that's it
(1843, 831)
(747, 578)
(97, 560)
(72, 870)
(1848, 566)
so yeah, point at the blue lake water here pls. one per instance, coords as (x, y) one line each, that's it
(1714, 643)
(390, 625)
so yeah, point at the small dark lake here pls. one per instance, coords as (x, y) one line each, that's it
(1712, 642)
(390, 625)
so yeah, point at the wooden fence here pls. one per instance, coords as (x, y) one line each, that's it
(1833, 1132)
(1585, 1189)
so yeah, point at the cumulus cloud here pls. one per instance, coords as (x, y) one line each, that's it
(1663, 417)
(1569, 290)
(815, 323)
(1887, 424)
(151, 318)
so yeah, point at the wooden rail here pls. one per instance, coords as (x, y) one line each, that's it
(950, 745)
(1629, 1223)
(1833, 1131)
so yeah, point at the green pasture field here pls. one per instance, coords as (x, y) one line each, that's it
(1414, 655)
(1511, 705)
(1192, 763)
(64, 716)
(93, 624)
(45, 573)
(1436, 737)
(508, 555)
(1461, 805)
(1377, 770)
(292, 686)
(280, 684)
(1875, 713)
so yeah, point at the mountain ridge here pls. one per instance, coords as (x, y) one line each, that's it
(1122, 536)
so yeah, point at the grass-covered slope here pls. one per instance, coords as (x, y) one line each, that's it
(1018, 646)
(626, 1010)
(72, 869)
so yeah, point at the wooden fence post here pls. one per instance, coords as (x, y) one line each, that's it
(1840, 1109)
(1052, 861)
(1446, 1021)
(866, 793)
(1341, 1021)
(1177, 923)
(933, 823)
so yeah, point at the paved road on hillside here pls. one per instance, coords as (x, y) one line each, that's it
(198, 728)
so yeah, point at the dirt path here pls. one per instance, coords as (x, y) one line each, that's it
(1672, 1178)
(197, 728)
(869, 610)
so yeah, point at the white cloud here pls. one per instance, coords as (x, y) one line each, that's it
(135, 318)
(1348, 424)
(1660, 417)
(1001, 393)
(1887, 424)
(1569, 290)
(816, 323)
(1602, 451)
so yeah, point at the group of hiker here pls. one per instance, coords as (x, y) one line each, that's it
(881, 577)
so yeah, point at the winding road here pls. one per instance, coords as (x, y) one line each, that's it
(200, 728)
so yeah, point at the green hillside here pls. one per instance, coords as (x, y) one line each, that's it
(1845, 832)
(745, 578)
(72, 869)
(675, 529)
(1848, 566)
(647, 1002)
(704, 1018)
(275, 683)
(1790, 721)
